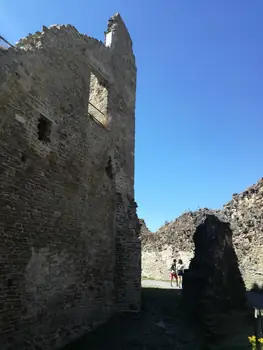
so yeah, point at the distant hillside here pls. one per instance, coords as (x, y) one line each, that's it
(174, 239)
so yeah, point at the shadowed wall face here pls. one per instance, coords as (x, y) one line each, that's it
(69, 250)
(213, 283)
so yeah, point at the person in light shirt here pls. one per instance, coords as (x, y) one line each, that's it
(180, 272)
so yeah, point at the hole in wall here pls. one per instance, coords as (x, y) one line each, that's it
(109, 169)
(9, 282)
(44, 129)
(23, 158)
(132, 307)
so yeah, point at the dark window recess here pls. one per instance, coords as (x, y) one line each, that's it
(9, 282)
(132, 307)
(109, 169)
(23, 158)
(44, 129)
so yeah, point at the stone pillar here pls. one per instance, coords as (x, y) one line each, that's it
(213, 284)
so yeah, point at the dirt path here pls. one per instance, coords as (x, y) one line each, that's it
(158, 284)
(159, 326)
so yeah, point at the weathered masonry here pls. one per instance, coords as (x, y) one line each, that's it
(69, 247)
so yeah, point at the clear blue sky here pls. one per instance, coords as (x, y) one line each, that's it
(199, 114)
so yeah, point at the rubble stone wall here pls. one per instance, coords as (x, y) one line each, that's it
(175, 239)
(245, 213)
(213, 286)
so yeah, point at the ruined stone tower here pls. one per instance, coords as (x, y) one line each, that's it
(69, 247)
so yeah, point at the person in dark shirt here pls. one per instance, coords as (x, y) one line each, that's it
(173, 274)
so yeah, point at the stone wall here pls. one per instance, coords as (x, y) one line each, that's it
(69, 247)
(213, 286)
(175, 239)
(155, 261)
(244, 212)
(213, 279)
(172, 240)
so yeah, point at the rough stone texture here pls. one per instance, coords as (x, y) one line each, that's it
(213, 287)
(69, 247)
(245, 213)
(213, 281)
(154, 261)
(175, 239)
(172, 240)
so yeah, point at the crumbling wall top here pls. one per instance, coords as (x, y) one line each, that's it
(117, 37)
(52, 35)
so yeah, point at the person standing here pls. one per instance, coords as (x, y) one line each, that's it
(173, 274)
(180, 272)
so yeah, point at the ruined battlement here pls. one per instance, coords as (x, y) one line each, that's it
(69, 231)
(117, 37)
(111, 61)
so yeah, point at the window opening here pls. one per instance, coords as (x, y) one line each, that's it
(44, 129)
(98, 100)
(109, 169)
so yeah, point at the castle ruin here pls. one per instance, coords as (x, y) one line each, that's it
(69, 246)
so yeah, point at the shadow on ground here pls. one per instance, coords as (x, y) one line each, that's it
(160, 325)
